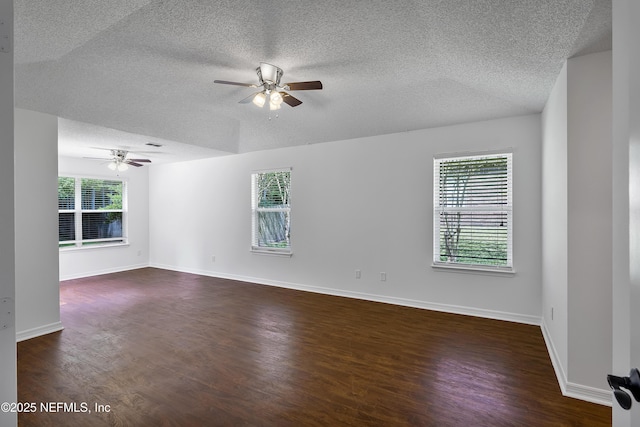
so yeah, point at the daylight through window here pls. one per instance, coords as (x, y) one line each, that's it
(91, 212)
(473, 211)
(271, 211)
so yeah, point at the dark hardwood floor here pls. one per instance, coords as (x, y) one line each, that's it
(171, 349)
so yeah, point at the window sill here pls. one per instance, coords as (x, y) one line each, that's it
(272, 252)
(474, 269)
(89, 247)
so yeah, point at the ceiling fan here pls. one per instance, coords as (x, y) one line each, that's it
(120, 162)
(269, 79)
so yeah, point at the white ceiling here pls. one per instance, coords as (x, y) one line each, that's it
(125, 72)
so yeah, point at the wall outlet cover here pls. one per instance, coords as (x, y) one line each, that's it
(7, 309)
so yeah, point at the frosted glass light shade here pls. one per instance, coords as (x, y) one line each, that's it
(259, 99)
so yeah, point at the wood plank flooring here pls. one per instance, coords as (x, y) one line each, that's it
(164, 348)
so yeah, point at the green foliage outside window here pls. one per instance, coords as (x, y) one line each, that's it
(79, 203)
(272, 223)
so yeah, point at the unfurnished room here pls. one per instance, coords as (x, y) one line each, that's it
(299, 213)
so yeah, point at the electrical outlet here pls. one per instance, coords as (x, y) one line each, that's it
(7, 316)
(551, 313)
(358, 274)
(383, 277)
(213, 258)
(139, 253)
(5, 41)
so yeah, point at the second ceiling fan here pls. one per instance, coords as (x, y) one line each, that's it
(272, 91)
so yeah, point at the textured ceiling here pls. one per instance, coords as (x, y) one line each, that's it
(146, 67)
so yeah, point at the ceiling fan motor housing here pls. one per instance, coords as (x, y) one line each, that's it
(119, 155)
(269, 74)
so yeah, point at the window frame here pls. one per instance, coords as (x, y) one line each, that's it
(255, 210)
(506, 208)
(82, 244)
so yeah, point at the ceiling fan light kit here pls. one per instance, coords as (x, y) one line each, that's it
(120, 167)
(269, 77)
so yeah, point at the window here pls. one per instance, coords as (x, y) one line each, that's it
(91, 212)
(271, 211)
(472, 217)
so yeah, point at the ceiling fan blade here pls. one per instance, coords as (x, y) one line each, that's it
(140, 160)
(290, 100)
(304, 85)
(224, 82)
(248, 99)
(129, 162)
(95, 158)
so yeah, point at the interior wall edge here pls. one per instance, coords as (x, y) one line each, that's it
(569, 389)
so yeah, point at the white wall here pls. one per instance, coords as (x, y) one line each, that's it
(555, 224)
(590, 219)
(89, 262)
(36, 225)
(577, 226)
(626, 198)
(359, 204)
(8, 382)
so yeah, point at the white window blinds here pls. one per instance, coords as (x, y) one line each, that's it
(91, 212)
(473, 210)
(271, 211)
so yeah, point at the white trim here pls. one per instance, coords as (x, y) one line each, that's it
(104, 271)
(283, 169)
(469, 268)
(447, 308)
(97, 245)
(78, 211)
(569, 389)
(271, 251)
(39, 331)
(473, 153)
(561, 376)
(589, 394)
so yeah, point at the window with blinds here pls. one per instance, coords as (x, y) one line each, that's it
(473, 211)
(91, 212)
(271, 211)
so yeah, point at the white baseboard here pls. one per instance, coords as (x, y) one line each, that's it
(589, 394)
(39, 331)
(103, 271)
(455, 309)
(569, 389)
